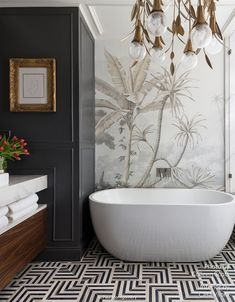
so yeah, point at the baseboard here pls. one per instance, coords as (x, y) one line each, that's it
(85, 244)
(66, 253)
(60, 254)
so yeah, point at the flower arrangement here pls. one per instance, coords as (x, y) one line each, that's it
(11, 148)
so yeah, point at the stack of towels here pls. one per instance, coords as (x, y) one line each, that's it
(18, 209)
(22, 207)
(3, 217)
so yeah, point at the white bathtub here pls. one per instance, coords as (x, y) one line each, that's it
(164, 225)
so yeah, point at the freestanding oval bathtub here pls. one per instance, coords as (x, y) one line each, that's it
(163, 225)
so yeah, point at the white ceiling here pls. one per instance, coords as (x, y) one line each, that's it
(110, 19)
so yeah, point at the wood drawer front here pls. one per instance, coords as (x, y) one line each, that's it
(20, 245)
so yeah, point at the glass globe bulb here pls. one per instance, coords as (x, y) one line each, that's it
(137, 51)
(215, 46)
(189, 60)
(201, 35)
(156, 23)
(157, 54)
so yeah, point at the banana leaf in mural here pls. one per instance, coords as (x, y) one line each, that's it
(126, 103)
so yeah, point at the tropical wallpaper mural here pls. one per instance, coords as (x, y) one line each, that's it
(145, 136)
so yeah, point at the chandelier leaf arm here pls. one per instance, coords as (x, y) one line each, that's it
(196, 21)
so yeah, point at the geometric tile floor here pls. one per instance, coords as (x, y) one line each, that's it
(99, 277)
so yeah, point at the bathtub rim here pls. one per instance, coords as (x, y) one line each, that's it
(92, 199)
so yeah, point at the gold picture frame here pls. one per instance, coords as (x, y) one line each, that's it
(32, 85)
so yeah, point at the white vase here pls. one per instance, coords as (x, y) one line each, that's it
(4, 179)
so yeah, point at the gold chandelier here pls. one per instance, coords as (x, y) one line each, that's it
(195, 26)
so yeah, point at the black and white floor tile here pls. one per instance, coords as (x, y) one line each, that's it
(99, 277)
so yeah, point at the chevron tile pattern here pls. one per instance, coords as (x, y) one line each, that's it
(99, 277)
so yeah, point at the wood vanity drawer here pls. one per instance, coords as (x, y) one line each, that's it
(21, 244)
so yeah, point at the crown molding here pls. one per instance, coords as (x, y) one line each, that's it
(89, 20)
(96, 19)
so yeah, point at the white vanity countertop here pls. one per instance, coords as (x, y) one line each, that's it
(21, 186)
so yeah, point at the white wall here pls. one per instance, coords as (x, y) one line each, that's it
(202, 164)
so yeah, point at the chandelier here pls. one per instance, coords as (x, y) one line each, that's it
(195, 26)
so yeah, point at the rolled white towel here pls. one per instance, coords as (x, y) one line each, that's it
(3, 211)
(22, 204)
(18, 215)
(3, 222)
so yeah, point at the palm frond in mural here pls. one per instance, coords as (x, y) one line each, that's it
(141, 136)
(195, 177)
(175, 88)
(188, 132)
(126, 103)
(189, 129)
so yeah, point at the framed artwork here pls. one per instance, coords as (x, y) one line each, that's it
(32, 85)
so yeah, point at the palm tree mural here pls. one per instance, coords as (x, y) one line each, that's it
(123, 104)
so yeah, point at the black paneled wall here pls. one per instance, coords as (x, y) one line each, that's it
(62, 144)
